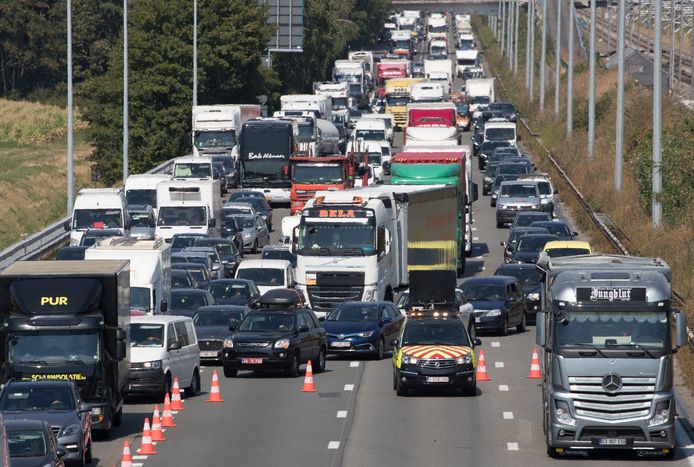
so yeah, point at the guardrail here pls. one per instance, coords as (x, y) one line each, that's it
(36, 245)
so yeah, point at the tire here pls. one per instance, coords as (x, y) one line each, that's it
(551, 452)
(88, 454)
(492, 203)
(319, 362)
(230, 372)
(499, 225)
(194, 387)
(504, 329)
(117, 421)
(293, 369)
(522, 325)
(254, 249)
(471, 391)
(380, 350)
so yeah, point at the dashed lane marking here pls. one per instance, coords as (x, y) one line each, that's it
(480, 257)
(334, 445)
(138, 464)
(512, 446)
(496, 344)
(341, 414)
(353, 364)
(139, 458)
(474, 229)
(508, 415)
(349, 387)
(503, 387)
(475, 239)
(498, 364)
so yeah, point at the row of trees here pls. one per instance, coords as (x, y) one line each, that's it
(232, 38)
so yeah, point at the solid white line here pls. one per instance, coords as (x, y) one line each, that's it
(334, 445)
(480, 257)
(508, 415)
(496, 344)
(498, 364)
(139, 458)
(349, 387)
(138, 464)
(341, 414)
(512, 446)
(353, 364)
(503, 387)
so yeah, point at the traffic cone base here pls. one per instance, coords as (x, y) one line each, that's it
(167, 418)
(126, 459)
(146, 448)
(481, 374)
(535, 372)
(157, 433)
(215, 395)
(309, 386)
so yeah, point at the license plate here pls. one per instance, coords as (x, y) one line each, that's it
(437, 379)
(252, 361)
(209, 353)
(612, 441)
(341, 344)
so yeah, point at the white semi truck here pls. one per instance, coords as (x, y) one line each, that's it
(216, 127)
(188, 206)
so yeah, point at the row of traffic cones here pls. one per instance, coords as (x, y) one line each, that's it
(535, 372)
(154, 432)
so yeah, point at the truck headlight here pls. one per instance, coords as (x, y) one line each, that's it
(407, 360)
(533, 296)
(562, 413)
(71, 430)
(96, 411)
(365, 334)
(662, 414)
(153, 365)
(228, 343)
(369, 295)
(282, 344)
(494, 312)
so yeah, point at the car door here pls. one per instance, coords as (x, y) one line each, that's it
(304, 338)
(512, 304)
(85, 417)
(520, 299)
(396, 324)
(190, 356)
(174, 356)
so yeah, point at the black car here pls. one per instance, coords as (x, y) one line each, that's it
(32, 443)
(221, 174)
(516, 233)
(181, 241)
(91, 236)
(59, 404)
(233, 231)
(477, 139)
(281, 335)
(241, 292)
(486, 150)
(212, 327)
(529, 277)
(198, 272)
(558, 228)
(186, 302)
(418, 70)
(71, 253)
(525, 218)
(229, 165)
(498, 301)
(181, 279)
(529, 247)
(507, 109)
(261, 206)
(363, 328)
(227, 251)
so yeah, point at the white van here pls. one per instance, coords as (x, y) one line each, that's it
(163, 348)
(267, 274)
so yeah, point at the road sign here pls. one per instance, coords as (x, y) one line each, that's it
(288, 18)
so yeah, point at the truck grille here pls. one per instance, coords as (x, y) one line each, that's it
(437, 363)
(210, 345)
(326, 298)
(590, 399)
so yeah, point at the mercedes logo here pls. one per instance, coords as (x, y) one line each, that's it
(612, 383)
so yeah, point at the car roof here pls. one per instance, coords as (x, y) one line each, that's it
(280, 297)
(213, 308)
(189, 290)
(507, 266)
(230, 281)
(276, 247)
(265, 263)
(489, 280)
(568, 244)
(43, 382)
(158, 319)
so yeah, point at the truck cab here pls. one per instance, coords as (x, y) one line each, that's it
(96, 208)
(312, 174)
(188, 206)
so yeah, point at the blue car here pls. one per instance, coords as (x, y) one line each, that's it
(363, 328)
(498, 301)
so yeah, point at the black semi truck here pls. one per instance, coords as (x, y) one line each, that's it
(69, 320)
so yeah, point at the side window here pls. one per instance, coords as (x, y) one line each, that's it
(386, 312)
(509, 291)
(394, 312)
(192, 338)
(301, 321)
(182, 333)
(170, 335)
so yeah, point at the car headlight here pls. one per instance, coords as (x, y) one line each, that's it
(662, 414)
(494, 312)
(408, 360)
(228, 343)
(71, 430)
(282, 344)
(533, 296)
(264, 216)
(365, 334)
(534, 207)
(563, 414)
(153, 365)
(487, 179)
(466, 360)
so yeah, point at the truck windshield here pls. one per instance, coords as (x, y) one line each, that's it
(467, 62)
(480, 100)
(317, 174)
(264, 172)
(263, 276)
(371, 135)
(139, 219)
(437, 29)
(182, 215)
(518, 191)
(146, 335)
(192, 170)
(146, 197)
(339, 103)
(393, 101)
(97, 218)
(54, 347)
(215, 139)
(612, 329)
(339, 239)
(139, 299)
(375, 158)
(500, 134)
(403, 44)
(435, 334)
(306, 131)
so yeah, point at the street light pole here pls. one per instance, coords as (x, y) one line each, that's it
(557, 73)
(515, 48)
(591, 85)
(672, 45)
(195, 53)
(657, 114)
(125, 91)
(570, 74)
(528, 62)
(543, 55)
(70, 180)
(619, 137)
(532, 50)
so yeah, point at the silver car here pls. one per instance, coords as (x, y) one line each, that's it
(142, 221)
(255, 232)
(516, 196)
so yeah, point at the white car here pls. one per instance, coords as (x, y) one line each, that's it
(267, 274)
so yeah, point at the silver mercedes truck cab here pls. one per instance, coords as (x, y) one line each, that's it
(608, 333)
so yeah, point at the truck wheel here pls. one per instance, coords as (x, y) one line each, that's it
(194, 387)
(401, 390)
(230, 372)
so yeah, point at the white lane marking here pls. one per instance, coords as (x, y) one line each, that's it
(684, 442)
(353, 364)
(483, 267)
(349, 387)
(496, 344)
(138, 464)
(475, 239)
(498, 364)
(508, 415)
(175, 412)
(334, 445)
(512, 446)
(474, 229)
(341, 414)
(503, 387)
(139, 458)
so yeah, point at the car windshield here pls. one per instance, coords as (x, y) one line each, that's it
(26, 443)
(187, 301)
(280, 254)
(246, 222)
(612, 330)
(555, 228)
(338, 238)
(435, 334)
(263, 276)
(37, 398)
(198, 273)
(267, 322)
(339, 103)
(54, 347)
(484, 292)
(97, 219)
(495, 134)
(146, 197)
(503, 178)
(354, 313)
(375, 158)
(532, 243)
(518, 233)
(180, 279)
(524, 220)
(230, 290)
(216, 317)
(146, 335)
(529, 277)
(558, 252)
(68, 253)
(317, 174)
(517, 191)
(139, 298)
(182, 215)
(193, 170)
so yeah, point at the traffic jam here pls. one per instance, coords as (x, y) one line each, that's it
(343, 226)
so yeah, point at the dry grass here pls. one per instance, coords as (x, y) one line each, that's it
(33, 123)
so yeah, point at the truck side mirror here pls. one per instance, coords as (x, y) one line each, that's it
(66, 225)
(164, 306)
(120, 334)
(681, 328)
(212, 223)
(540, 336)
(295, 239)
(120, 350)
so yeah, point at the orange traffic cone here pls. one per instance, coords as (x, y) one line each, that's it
(176, 403)
(215, 396)
(167, 419)
(126, 460)
(157, 433)
(482, 369)
(146, 447)
(308, 380)
(535, 372)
